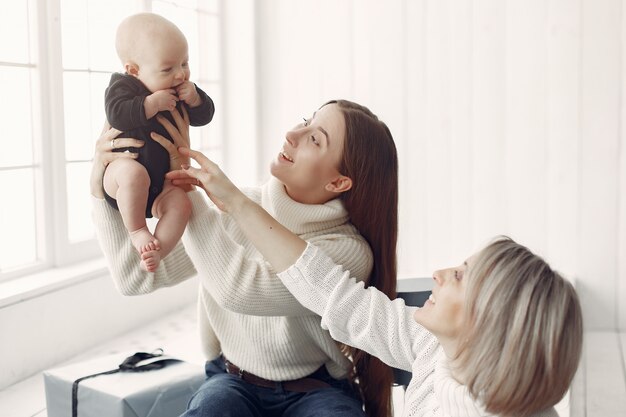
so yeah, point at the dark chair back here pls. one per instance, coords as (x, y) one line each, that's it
(414, 293)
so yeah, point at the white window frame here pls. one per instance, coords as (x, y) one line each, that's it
(54, 248)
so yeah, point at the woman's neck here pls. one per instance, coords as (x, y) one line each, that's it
(309, 196)
(450, 348)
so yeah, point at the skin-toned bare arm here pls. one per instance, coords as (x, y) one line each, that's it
(115, 242)
(180, 136)
(278, 245)
(104, 155)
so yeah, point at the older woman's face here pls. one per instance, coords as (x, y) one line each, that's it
(310, 156)
(444, 312)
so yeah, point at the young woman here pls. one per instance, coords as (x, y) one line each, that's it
(508, 326)
(334, 183)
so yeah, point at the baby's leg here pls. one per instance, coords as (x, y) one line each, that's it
(128, 182)
(173, 208)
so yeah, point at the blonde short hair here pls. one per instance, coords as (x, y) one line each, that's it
(523, 337)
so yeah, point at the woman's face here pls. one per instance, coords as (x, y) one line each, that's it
(308, 162)
(444, 312)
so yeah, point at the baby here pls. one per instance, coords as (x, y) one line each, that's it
(154, 54)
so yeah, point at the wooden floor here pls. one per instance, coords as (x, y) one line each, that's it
(599, 389)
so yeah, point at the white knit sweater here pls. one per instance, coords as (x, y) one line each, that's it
(244, 310)
(368, 320)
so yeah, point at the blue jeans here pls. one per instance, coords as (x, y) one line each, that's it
(227, 395)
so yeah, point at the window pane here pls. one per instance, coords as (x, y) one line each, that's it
(211, 137)
(209, 54)
(84, 112)
(17, 221)
(78, 136)
(88, 31)
(80, 227)
(14, 32)
(74, 29)
(98, 83)
(104, 17)
(16, 117)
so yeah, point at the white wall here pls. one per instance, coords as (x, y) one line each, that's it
(507, 117)
(43, 331)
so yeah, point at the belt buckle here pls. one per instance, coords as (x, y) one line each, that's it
(240, 373)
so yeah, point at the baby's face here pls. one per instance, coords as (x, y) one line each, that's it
(164, 65)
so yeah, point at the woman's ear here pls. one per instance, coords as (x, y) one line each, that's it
(131, 69)
(339, 184)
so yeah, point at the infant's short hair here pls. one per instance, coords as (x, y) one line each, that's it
(138, 31)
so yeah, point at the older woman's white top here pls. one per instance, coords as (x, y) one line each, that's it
(369, 320)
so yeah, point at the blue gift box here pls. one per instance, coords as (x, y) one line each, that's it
(162, 392)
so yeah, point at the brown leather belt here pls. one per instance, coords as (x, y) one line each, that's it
(296, 385)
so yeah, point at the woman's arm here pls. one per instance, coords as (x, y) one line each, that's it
(278, 245)
(104, 155)
(237, 279)
(241, 279)
(364, 318)
(361, 317)
(122, 258)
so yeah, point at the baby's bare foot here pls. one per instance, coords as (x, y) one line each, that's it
(150, 260)
(143, 240)
(151, 246)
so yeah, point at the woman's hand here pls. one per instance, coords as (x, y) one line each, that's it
(180, 136)
(104, 155)
(278, 245)
(226, 196)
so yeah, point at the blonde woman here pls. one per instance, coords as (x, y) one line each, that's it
(509, 328)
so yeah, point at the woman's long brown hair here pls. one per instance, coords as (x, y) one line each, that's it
(371, 161)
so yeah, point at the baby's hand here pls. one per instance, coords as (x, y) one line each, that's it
(187, 93)
(159, 101)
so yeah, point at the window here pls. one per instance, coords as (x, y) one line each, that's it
(53, 74)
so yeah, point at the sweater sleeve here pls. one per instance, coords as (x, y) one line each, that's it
(361, 317)
(124, 261)
(124, 106)
(238, 278)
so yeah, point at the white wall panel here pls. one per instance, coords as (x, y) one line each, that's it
(506, 116)
(563, 134)
(488, 128)
(384, 37)
(412, 156)
(439, 201)
(598, 170)
(304, 59)
(461, 131)
(525, 120)
(239, 77)
(621, 190)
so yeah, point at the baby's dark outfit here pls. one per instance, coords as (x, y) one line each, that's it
(123, 102)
